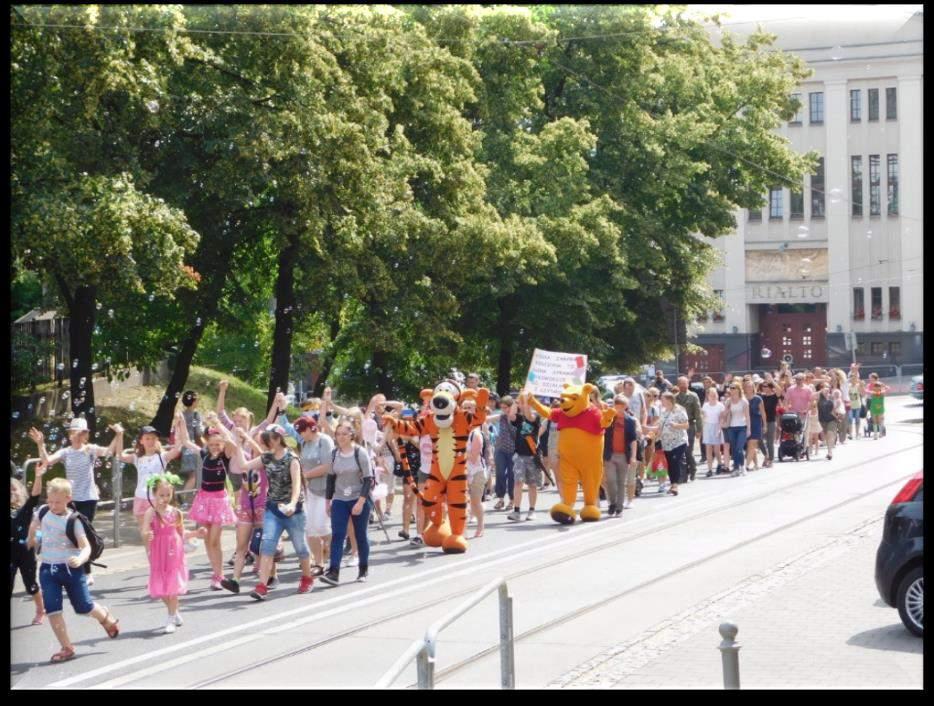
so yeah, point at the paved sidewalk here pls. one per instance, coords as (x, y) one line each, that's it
(821, 626)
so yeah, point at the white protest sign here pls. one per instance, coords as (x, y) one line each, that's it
(549, 372)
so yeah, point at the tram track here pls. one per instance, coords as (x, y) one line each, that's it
(615, 542)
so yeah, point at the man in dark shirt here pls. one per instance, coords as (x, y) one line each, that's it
(527, 471)
(688, 399)
(660, 382)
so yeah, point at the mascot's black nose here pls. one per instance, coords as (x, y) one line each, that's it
(440, 403)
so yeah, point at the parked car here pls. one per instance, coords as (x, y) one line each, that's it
(900, 558)
(917, 387)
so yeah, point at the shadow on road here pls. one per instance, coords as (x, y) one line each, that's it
(890, 637)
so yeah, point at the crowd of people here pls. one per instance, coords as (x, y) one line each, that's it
(327, 476)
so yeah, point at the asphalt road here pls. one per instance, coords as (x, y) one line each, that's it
(580, 592)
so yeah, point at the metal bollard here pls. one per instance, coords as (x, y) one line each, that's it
(507, 654)
(729, 651)
(116, 483)
(425, 664)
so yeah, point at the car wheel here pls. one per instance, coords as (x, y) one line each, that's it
(910, 601)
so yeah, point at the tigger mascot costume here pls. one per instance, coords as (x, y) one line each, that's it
(580, 446)
(449, 427)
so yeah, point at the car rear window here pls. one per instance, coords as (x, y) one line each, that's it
(919, 496)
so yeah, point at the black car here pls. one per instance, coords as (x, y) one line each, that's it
(900, 558)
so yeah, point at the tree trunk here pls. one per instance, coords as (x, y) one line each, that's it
(81, 313)
(381, 367)
(281, 358)
(327, 360)
(508, 308)
(163, 419)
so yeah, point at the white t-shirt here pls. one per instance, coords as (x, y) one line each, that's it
(738, 413)
(146, 467)
(712, 412)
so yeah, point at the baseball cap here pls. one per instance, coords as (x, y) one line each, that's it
(78, 424)
(148, 430)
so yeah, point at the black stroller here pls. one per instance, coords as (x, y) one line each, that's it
(791, 442)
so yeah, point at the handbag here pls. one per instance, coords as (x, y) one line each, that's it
(256, 537)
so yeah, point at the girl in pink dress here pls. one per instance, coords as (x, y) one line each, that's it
(164, 534)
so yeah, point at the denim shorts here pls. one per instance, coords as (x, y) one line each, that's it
(55, 577)
(273, 527)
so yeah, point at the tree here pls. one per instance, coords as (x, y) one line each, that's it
(81, 215)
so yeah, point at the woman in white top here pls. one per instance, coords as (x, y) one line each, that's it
(476, 469)
(713, 434)
(737, 411)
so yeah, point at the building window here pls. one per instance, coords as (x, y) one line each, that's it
(875, 186)
(878, 348)
(755, 215)
(775, 203)
(876, 294)
(817, 108)
(895, 303)
(855, 107)
(859, 307)
(856, 188)
(873, 103)
(895, 348)
(796, 120)
(817, 190)
(717, 314)
(892, 183)
(891, 106)
(796, 204)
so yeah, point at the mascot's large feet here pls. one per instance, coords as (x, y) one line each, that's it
(590, 513)
(563, 514)
(434, 536)
(454, 544)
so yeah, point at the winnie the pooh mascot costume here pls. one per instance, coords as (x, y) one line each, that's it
(580, 447)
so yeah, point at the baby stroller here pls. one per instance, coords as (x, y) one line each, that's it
(791, 442)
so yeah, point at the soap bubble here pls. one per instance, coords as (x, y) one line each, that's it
(99, 305)
(152, 297)
(110, 313)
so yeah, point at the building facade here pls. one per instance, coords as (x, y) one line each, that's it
(842, 254)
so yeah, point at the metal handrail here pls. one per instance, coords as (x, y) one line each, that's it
(424, 650)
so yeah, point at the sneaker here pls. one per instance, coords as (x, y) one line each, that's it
(619, 512)
(362, 574)
(611, 511)
(403, 535)
(353, 561)
(662, 487)
(169, 627)
(230, 585)
(514, 516)
(177, 619)
(417, 542)
(216, 583)
(499, 504)
(305, 584)
(627, 505)
(272, 582)
(387, 514)
(331, 577)
(530, 515)
(639, 486)
(230, 562)
(248, 560)
(259, 593)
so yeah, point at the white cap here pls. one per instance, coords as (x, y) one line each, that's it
(78, 424)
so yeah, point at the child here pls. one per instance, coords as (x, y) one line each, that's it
(877, 390)
(23, 559)
(150, 460)
(191, 461)
(59, 559)
(813, 428)
(79, 458)
(211, 505)
(163, 533)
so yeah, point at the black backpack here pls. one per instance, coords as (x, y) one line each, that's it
(94, 539)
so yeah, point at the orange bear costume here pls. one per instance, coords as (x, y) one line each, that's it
(580, 447)
(449, 427)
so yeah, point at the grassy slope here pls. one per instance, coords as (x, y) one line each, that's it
(134, 406)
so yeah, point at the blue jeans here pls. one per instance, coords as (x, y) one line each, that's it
(55, 577)
(736, 438)
(340, 517)
(274, 526)
(505, 475)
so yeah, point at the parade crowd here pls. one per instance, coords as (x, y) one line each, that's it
(328, 476)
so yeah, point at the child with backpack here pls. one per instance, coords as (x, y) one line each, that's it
(66, 543)
(164, 533)
(23, 559)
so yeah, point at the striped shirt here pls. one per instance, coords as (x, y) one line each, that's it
(79, 469)
(56, 547)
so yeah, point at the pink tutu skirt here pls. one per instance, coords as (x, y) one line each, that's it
(212, 508)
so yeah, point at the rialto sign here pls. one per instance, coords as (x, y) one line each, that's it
(807, 292)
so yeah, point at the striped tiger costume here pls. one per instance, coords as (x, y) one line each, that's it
(449, 428)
